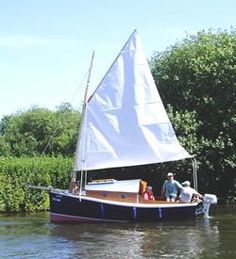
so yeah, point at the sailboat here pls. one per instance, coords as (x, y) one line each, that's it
(124, 124)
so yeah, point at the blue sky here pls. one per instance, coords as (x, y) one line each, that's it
(46, 45)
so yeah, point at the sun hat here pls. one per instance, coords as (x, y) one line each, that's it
(169, 174)
(186, 183)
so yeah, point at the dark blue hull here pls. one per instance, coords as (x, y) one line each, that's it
(68, 208)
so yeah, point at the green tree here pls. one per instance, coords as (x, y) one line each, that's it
(198, 75)
(40, 130)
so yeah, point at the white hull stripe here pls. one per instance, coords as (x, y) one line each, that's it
(64, 217)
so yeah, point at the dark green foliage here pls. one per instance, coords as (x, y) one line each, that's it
(16, 173)
(197, 78)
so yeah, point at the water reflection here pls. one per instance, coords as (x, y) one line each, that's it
(181, 240)
(33, 236)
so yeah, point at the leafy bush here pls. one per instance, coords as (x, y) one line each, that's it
(16, 173)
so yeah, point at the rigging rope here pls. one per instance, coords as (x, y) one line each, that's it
(57, 126)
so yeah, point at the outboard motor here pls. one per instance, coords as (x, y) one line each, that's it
(208, 199)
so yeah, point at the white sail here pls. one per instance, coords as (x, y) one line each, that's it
(125, 122)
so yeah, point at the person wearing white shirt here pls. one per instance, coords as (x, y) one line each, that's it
(187, 193)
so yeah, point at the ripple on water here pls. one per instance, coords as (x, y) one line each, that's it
(33, 236)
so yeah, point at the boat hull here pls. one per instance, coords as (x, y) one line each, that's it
(70, 208)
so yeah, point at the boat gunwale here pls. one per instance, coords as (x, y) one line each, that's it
(145, 204)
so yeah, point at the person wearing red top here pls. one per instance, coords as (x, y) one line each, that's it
(148, 194)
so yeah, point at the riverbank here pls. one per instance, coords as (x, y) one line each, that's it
(17, 173)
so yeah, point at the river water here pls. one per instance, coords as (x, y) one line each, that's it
(34, 236)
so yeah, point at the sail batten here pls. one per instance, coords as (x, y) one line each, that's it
(126, 123)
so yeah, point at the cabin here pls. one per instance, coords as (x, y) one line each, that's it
(122, 190)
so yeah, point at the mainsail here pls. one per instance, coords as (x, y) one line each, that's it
(125, 122)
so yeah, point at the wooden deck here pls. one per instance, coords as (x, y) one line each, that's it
(123, 197)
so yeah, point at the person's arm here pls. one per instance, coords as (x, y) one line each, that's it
(163, 189)
(145, 196)
(153, 198)
(196, 194)
(179, 186)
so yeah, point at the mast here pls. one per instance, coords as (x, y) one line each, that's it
(88, 80)
(195, 167)
(83, 119)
